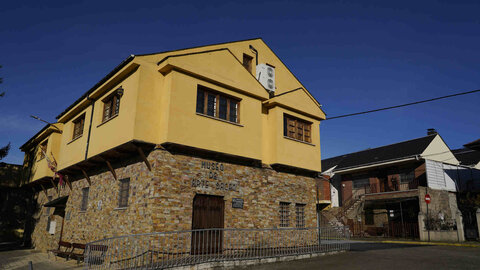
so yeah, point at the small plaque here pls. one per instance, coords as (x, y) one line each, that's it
(237, 203)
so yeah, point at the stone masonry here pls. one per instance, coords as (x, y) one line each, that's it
(162, 199)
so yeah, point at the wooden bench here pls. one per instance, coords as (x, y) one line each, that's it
(64, 249)
(78, 252)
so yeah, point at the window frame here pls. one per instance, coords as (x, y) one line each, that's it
(85, 195)
(247, 62)
(123, 197)
(284, 214)
(204, 104)
(300, 215)
(407, 176)
(41, 154)
(299, 130)
(81, 122)
(355, 182)
(112, 102)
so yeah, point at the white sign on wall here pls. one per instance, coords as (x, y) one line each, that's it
(53, 224)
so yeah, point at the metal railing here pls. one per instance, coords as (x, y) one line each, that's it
(393, 186)
(180, 248)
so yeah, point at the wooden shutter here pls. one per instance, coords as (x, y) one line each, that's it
(292, 127)
(307, 132)
(299, 130)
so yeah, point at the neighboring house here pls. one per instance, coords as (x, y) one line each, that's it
(163, 134)
(381, 191)
(468, 156)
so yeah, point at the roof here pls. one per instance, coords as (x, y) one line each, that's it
(380, 154)
(467, 156)
(473, 145)
(123, 64)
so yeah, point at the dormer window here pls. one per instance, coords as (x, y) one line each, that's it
(247, 62)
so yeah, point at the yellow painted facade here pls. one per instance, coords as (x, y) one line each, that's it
(158, 106)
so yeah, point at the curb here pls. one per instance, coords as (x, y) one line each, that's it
(429, 243)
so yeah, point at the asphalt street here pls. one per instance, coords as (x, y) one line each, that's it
(368, 255)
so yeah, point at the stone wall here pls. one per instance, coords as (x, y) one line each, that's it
(162, 199)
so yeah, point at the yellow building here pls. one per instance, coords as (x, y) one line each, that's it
(161, 130)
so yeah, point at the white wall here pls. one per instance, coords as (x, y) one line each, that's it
(437, 178)
(451, 177)
(438, 150)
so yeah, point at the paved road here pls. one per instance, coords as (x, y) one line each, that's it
(367, 255)
(18, 260)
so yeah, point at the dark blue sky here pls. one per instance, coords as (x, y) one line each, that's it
(352, 56)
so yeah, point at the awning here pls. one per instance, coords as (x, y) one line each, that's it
(58, 202)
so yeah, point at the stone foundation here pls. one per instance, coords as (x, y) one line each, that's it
(162, 199)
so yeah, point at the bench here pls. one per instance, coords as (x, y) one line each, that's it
(63, 250)
(78, 252)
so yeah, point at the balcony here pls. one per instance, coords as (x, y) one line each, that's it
(391, 186)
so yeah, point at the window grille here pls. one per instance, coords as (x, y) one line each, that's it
(84, 205)
(284, 214)
(124, 190)
(300, 215)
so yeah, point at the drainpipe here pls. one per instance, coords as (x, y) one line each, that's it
(89, 126)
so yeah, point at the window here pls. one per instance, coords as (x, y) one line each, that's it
(361, 183)
(407, 176)
(217, 105)
(43, 150)
(300, 215)
(369, 217)
(84, 205)
(111, 105)
(247, 62)
(78, 127)
(297, 129)
(124, 189)
(284, 214)
(48, 214)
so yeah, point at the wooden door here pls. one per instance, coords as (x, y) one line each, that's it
(208, 215)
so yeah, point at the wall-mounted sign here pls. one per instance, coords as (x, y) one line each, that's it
(211, 177)
(237, 203)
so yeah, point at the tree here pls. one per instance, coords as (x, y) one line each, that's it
(4, 150)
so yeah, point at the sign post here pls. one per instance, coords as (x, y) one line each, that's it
(428, 199)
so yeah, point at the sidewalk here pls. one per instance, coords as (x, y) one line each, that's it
(18, 260)
(418, 242)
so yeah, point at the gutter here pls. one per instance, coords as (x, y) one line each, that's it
(376, 164)
(89, 126)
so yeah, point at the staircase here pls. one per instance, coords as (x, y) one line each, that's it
(338, 216)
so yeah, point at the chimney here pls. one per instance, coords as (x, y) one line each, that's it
(431, 131)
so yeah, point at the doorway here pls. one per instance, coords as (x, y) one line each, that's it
(207, 220)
